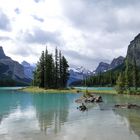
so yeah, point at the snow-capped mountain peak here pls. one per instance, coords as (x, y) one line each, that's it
(80, 70)
(78, 73)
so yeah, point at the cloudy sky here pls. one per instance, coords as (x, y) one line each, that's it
(87, 31)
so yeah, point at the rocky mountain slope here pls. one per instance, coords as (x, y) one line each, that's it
(78, 73)
(116, 62)
(103, 67)
(11, 70)
(28, 69)
(133, 51)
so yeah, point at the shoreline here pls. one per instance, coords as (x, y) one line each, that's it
(74, 90)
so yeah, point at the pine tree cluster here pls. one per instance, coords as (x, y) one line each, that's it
(51, 72)
(128, 82)
(125, 78)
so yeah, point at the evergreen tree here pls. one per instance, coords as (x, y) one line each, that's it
(120, 87)
(36, 79)
(39, 72)
(65, 72)
(60, 70)
(127, 76)
(56, 74)
(51, 73)
(110, 78)
(134, 73)
(46, 72)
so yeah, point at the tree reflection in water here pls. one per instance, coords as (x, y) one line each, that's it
(51, 110)
(133, 119)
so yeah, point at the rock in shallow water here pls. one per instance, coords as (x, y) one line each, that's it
(127, 106)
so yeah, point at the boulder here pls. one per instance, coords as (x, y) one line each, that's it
(98, 99)
(82, 107)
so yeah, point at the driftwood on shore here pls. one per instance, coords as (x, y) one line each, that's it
(127, 106)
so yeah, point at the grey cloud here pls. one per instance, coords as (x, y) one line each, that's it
(77, 59)
(22, 51)
(17, 10)
(107, 27)
(123, 3)
(102, 15)
(38, 1)
(40, 36)
(4, 38)
(4, 22)
(38, 18)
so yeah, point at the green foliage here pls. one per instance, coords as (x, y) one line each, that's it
(108, 78)
(135, 75)
(51, 73)
(65, 73)
(127, 76)
(56, 69)
(130, 81)
(120, 84)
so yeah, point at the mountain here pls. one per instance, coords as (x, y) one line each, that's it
(11, 72)
(116, 62)
(134, 51)
(2, 54)
(78, 74)
(28, 69)
(104, 67)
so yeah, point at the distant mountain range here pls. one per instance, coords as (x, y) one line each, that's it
(77, 74)
(103, 67)
(80, 73)
(22, 74)
(28, 69)
(11, 72)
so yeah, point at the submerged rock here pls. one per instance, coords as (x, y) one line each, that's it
(98, 99)
(82, 107)
(127, 106)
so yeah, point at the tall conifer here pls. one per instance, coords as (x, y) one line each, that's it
(135, 79)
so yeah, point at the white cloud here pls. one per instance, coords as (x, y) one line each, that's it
(87, 32)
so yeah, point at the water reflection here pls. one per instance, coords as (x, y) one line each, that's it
(52, 111)
(132, 118)
(26, 116)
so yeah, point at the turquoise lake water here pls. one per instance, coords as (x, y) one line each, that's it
(95, 88)
(26, 116)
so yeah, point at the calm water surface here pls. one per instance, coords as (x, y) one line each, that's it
(95, 88)
(26, 116)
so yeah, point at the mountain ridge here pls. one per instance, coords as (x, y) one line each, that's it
(11, 70)
(104, 67)
(28, 69)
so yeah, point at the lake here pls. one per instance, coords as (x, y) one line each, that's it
(27, 116)
(95, 88)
